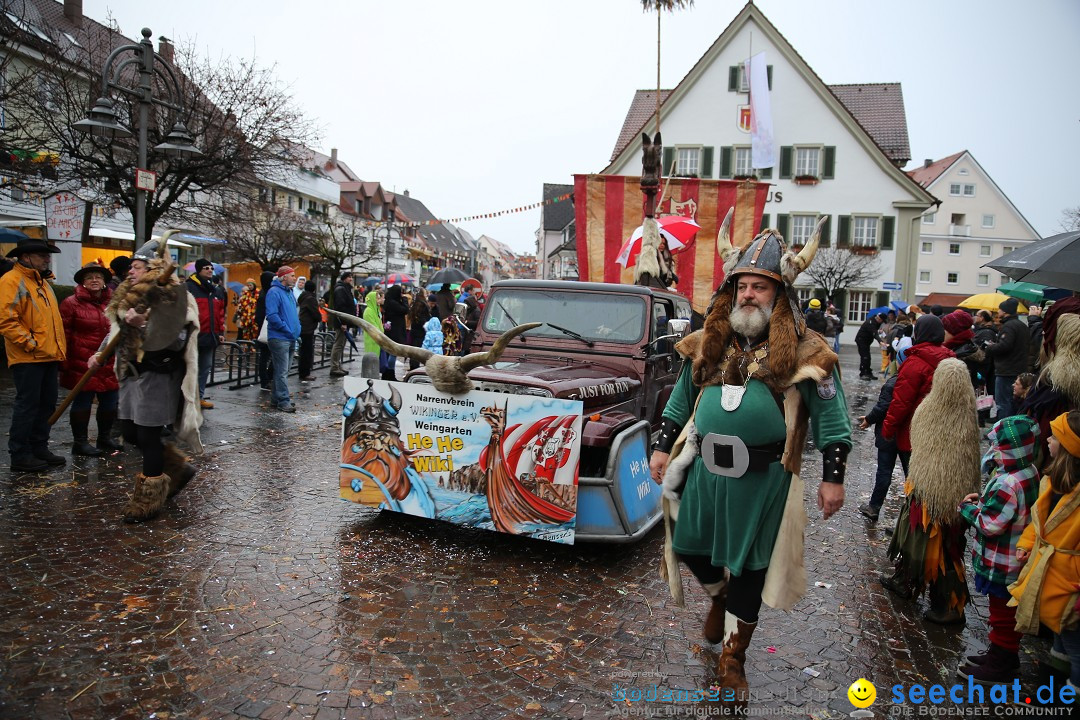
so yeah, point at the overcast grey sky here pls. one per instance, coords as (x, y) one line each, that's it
(473, 105)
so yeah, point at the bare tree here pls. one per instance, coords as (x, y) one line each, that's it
(243, 120)
(343, 243)
(1070, 219)
(836, 269)
(259, 231)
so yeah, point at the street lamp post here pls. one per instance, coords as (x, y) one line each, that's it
(389, 235)
(102, 120)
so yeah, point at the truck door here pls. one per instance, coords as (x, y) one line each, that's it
(662, 368)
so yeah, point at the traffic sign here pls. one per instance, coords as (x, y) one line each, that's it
(892, 286)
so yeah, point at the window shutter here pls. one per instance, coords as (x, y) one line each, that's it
(826, 232)
(706, 162)
(782, 223)
(768, 71)
(888, 228)
(830, 163)
(764, 222)
(669, 162)
(843, 231)
(881, 297)
(764, 173)
(785, 161)
(733, 78)
(725, 161)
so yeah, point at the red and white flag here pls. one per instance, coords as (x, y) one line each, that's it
(762, 148)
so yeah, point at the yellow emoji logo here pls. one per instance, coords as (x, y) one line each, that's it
(862, 693)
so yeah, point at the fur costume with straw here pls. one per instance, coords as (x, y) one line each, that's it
(929, 539)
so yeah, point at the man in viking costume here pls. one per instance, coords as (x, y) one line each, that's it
(757, 380)
(157, 365)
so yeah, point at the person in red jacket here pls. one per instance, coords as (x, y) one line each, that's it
(211, 321)
(85, 326)
(914, 380)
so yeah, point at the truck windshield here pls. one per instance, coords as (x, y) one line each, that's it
(595, 316)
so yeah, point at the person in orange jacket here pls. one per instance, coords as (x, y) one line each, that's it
(36, 345)
(1048, 589)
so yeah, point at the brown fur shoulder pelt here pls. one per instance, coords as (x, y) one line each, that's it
(1062, 370)
(945, 454)
(140, 295)
(648, 258)
(783, 341)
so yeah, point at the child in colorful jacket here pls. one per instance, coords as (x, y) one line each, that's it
(1048, 590)
(1000, 517)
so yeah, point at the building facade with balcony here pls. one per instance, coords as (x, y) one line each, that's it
(839, 150)
(974, 224)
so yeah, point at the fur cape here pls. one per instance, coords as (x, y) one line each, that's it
(945, 453)
(1062, 369)
(145, 294)
(655, 267)
(807, 358)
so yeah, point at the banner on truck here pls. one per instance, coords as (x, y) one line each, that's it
(483, 459)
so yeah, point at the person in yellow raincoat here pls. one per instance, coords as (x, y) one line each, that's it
(1048, 589)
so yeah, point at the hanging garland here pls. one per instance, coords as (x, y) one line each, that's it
(483, 216)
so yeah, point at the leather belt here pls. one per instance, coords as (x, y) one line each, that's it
(729, 456)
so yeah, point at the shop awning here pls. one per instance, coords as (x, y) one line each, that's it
(123, 235)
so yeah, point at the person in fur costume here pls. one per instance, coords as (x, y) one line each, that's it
(1057, 389)
(929, 538)
(655, 266)
(158, 387)
(755, 379)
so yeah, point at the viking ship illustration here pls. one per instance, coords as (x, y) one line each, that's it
(511, 504)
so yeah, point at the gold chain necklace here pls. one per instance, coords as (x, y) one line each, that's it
(731, 395)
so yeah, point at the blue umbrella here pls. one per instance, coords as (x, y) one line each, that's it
(10, 235)
(236, 287)
(371, 282)
(878, 310)
(899, 306)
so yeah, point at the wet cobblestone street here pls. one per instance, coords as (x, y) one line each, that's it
(259, 594)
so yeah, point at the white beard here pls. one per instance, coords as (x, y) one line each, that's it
(750, 321)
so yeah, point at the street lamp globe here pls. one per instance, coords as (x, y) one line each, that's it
(179, 143)
(102, 122)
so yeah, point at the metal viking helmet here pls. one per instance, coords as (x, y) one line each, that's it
(767, 254)
(149, 251)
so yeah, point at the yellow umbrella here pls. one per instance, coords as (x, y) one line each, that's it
(990, 302)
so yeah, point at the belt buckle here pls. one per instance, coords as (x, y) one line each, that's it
(725, 455)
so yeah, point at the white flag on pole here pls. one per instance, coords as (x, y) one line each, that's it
(762, 149)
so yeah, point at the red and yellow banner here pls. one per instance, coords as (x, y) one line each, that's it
(608, 208)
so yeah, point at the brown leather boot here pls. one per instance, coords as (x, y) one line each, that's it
(714, 621)
(730, 667)
(179, 470)
(147, 499)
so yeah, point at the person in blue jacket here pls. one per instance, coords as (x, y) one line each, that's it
(887, 451)
(283, 329)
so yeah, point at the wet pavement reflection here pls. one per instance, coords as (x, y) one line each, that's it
(258, 593)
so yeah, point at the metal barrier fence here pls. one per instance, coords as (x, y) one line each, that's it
(236, 363)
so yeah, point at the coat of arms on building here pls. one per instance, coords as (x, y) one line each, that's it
(687, 209)
(744, 118)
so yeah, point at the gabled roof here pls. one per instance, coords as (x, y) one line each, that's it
(337, 171)
(928, 174)
(411, 209)
(557, 215)
(642, 109)
(751, 12)
(879, 108)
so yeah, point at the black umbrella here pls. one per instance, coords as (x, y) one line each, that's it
(1054, 261)
(449, 275)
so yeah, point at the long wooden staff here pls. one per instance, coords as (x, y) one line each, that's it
(110, 347)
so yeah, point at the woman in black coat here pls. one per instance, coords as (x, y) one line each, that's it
(394, 311)
(419, 314)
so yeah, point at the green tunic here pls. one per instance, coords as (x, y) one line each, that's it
(734, 521)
